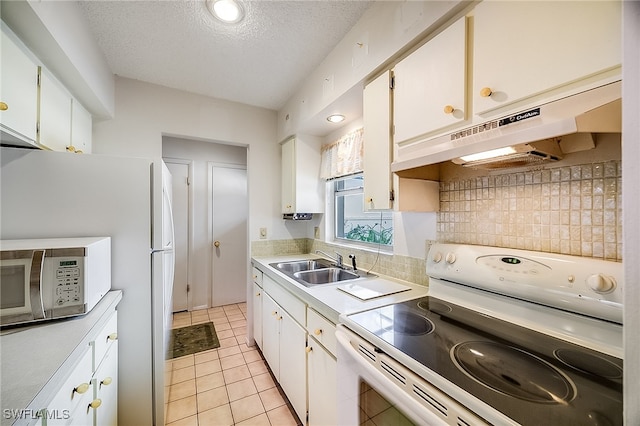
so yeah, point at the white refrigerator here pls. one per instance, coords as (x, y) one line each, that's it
(46, 194)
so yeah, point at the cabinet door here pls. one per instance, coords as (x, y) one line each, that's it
(55, 114)
(257, 315)
(289, 176)
(19, 91)
(81, 126)
(69, 405)
(322, 385)
(293, 365)
(106, 388)
(270, 334)
(430, 85)
(524, 48)
(377, 143)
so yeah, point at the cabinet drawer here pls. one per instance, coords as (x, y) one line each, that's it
(104, 339)
(323, 330)
(294, 306)
(75, 391)
(257, 276)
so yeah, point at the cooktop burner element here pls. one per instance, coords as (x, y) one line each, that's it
(513, 372)
(411, 324)
(591, 364)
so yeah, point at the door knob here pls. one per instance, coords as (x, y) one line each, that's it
(216, 243)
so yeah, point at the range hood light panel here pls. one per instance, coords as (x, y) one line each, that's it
(489, 154)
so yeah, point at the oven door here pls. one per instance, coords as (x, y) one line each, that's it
(21, 286)
(373, 386)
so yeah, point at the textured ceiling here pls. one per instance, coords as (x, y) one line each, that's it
(260, 61)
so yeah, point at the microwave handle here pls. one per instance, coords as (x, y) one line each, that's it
(35, 284)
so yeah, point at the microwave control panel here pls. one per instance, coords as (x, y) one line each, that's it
(68, 278)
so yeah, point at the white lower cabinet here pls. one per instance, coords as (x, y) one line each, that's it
(89, 396)
(284, 342)
(322, 383)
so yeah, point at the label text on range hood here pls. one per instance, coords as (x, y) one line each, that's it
(519, 117)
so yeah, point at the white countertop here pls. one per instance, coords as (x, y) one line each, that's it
(35, 358)
(327, 299)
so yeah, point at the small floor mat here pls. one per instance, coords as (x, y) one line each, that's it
(192, 339)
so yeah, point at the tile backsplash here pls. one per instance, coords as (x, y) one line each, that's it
(402, 267)
(572, 210)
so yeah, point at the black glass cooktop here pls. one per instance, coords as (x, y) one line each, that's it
(529, 376)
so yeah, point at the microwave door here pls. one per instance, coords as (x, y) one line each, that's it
(21, 286)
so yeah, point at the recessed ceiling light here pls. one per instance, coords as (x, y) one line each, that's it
(335, 118)
(228, 11)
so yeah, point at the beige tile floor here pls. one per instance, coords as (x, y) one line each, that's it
(231, 385)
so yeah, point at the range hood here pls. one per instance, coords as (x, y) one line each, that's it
(535, 135)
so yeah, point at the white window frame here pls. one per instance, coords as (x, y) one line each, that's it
(331, 229)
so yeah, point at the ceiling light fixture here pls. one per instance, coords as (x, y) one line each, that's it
(335, 118)
(227, 11)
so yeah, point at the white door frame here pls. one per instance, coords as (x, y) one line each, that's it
(190, 219)
(210, 167)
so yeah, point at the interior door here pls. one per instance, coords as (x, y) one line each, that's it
(180, 205)
(229, 208)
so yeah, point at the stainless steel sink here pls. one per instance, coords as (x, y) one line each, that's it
(315, 272)
(302, 265)
(324, 276)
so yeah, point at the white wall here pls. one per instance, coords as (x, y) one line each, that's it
(146, 112)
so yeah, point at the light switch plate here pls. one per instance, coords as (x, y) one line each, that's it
(316, 232)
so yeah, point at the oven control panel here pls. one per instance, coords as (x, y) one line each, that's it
(577, 284)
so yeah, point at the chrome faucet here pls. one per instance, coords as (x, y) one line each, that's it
(337, 259)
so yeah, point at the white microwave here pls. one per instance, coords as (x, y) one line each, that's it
(44, 279)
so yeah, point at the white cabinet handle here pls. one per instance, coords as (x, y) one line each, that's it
(95, 403)
(107, 381)
(81, 388)
(485, 92)
(318, 332)
(112, 336)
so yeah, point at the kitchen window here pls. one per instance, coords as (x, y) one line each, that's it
(351, 223)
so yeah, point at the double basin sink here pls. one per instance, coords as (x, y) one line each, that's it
(315, 272)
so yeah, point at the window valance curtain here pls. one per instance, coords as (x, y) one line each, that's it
(344, 156)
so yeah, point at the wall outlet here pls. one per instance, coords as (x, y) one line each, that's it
(263, 233)
(316, 232)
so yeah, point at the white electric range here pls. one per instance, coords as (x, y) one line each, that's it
(505, 337)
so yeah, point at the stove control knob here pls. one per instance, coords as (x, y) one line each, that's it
(451, 258)
(601, 283)
(437, 257)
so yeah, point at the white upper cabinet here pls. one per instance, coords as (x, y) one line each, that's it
(18, 92)
(36, 110)
(301, 184)
(524, 48)
(55, 114)
(81, 127)
(430, 85)
(377, 143)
